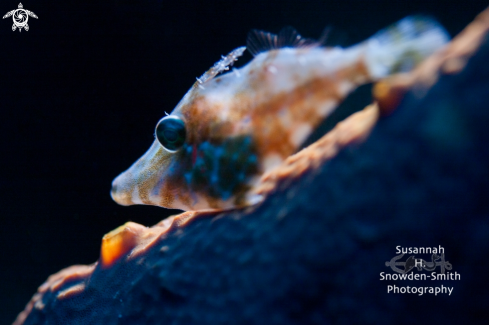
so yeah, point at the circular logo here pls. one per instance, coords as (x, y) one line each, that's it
(20, 17)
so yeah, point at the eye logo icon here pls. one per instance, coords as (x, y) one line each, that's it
(20, 17)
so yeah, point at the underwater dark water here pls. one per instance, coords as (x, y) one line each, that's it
(81, 93)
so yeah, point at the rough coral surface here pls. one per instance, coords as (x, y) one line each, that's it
(313, 251)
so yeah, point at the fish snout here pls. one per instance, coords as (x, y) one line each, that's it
(140, 183)
(120, 191)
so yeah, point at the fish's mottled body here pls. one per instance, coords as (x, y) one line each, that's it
(229, 130)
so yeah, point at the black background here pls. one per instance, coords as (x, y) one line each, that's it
(81, 92)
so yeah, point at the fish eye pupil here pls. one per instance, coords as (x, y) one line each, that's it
(171, 133)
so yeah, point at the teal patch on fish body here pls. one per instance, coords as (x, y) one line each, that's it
(221, 170)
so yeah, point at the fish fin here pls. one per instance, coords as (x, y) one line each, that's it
(325, 35)
(400, 47)
(259, 41)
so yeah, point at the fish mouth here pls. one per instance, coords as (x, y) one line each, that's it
(120, 191)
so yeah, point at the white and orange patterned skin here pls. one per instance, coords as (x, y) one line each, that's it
(249, 120)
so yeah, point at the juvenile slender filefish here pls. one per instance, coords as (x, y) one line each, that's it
(227, 131)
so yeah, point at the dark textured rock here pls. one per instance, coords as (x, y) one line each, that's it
(313, 251)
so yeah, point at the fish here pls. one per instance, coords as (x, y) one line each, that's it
(235, 125)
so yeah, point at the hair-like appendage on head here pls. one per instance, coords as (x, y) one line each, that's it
(220, 66)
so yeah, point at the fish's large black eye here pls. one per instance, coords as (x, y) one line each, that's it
(170, 132)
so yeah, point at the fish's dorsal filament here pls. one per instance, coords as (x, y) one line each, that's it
(220, 66)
